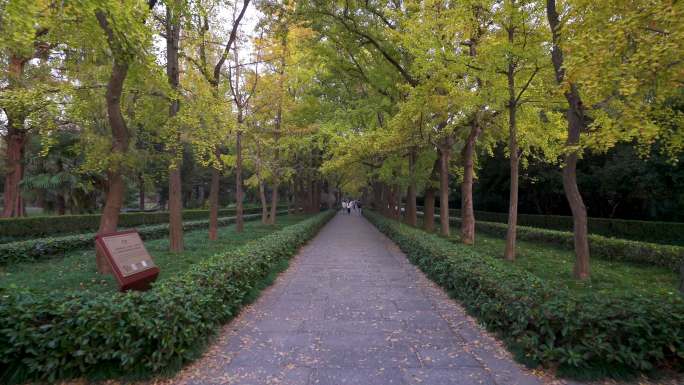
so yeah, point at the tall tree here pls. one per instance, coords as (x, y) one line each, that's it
(200, 60)
(113, 19)
(172, 24)
(28, 34)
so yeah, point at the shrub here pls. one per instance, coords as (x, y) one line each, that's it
(71, 334)
(12, 229)
(549, 325)
(612, 249)
(34, 249)
(648, 231)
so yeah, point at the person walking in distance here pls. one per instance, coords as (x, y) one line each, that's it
(349, 207)
(344, 206)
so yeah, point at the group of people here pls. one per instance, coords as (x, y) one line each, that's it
(349, 205)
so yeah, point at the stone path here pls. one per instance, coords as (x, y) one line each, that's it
(352, 310)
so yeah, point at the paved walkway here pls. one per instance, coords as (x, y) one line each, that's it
(352, 310)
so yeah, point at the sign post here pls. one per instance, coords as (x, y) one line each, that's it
(132, 265)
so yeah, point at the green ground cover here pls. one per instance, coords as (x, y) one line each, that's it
(76, 270)
(555, 265)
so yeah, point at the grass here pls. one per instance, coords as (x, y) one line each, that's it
(76, 270)
(556, 264)
(607, 277)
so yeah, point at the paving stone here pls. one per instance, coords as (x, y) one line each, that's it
(365, 351)
(461, 376)
(358, 376)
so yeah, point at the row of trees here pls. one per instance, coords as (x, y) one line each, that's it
(128, 90)
(428, 87)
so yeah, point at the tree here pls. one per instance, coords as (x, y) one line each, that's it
(172, 24)
(200, 60)
(636, 71)
(28, 34)
(113, 19)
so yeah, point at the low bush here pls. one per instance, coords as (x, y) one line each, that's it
(34, 249)
(13, 229)
(647, 231)
(613, 249)
(546, 324)
(71, 334)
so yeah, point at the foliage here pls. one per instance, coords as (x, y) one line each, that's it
(70, 334)
(547, 324)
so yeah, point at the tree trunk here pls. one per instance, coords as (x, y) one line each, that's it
(109, 220)
(264, 203)
(511, 231)
(16, 141)
(467, 210)
(120, 140)
(176, 243)
(444, 157)
(576, 124)
(175, 182)
(239, 220)
(509, 252)
(141, 192)
(213, 204)
(274, 204)
(430, 191)
(411, 215)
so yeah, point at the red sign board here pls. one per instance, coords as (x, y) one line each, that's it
(132, 265)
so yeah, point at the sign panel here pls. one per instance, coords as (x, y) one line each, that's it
(128, 252)
(132, 265)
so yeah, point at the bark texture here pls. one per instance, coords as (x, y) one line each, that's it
(411, 215)
(213, 204)
(430, 191)
(239, 219)
(175, 183)
(467, 209)
(444, 159)
(15, 142)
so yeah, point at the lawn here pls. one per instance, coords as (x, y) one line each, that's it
(76, 270)
(555, 264)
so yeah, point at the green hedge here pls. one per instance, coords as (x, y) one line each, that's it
(33, 249)
(71, 334)
(12, 229)
(647, 231)
(612, 249)
(543, 323)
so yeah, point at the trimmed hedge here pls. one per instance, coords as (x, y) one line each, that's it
(12, 229)
(612, 249)
(71, 334)
(647, 231)
(33, 249)
(543, 323)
